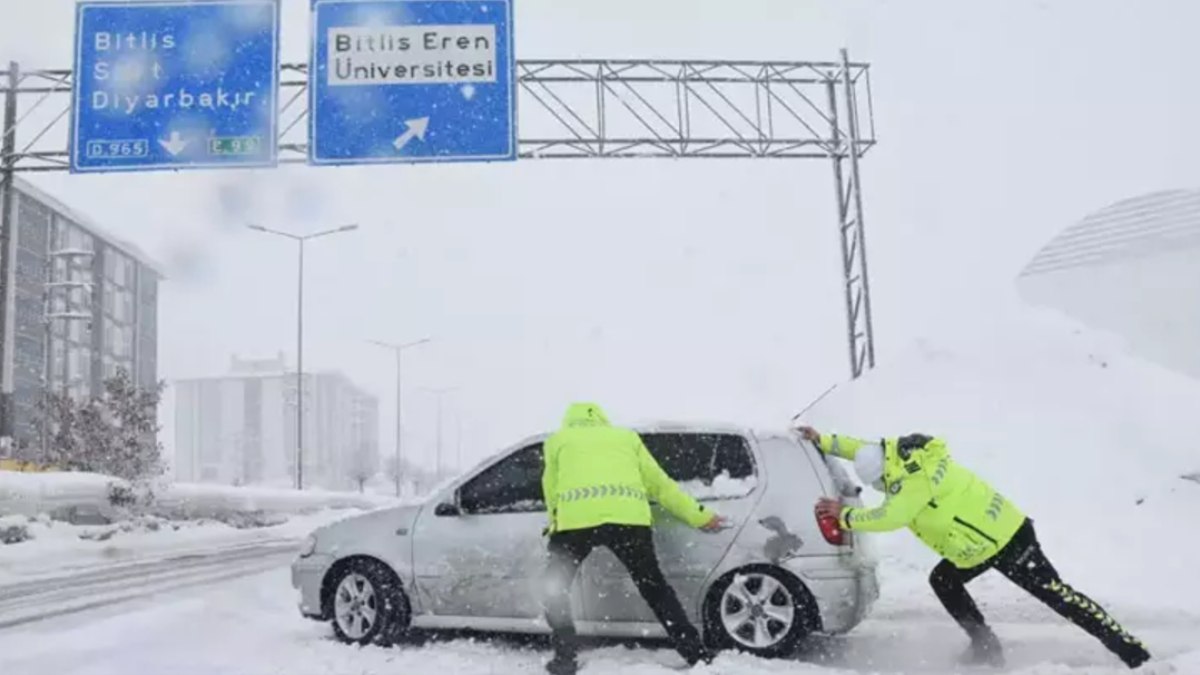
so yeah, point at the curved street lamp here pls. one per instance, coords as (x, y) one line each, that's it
(300, 239)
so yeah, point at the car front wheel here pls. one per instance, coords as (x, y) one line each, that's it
(759, 609)
(367, 603)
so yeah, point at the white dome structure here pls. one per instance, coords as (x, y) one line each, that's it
(1132, 269)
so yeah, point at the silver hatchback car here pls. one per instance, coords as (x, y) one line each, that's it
(473, 554)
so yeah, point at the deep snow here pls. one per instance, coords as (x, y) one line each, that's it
(59, 548)
(34, 493)
(250, 627)
(1091, 443)
(198, 519)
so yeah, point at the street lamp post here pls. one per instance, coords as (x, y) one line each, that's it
(439, 393)
(398, 349)
(300, 240)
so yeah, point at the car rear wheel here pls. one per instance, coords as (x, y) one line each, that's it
(759, 609)
(366, 602)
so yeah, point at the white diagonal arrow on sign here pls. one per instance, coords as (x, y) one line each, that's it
(416, 129)
(174, 144)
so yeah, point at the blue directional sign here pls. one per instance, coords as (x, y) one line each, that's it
(174, 85)
(412, 81)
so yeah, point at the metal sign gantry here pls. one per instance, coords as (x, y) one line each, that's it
(581, 109)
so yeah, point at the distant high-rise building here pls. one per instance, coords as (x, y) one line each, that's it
(1132, 269)
(240, 428)
(81, 303)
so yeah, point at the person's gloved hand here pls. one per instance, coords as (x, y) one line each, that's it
(809, 434)
(715, 524)
(829, 507)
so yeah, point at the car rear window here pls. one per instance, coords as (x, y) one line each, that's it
(701, 457)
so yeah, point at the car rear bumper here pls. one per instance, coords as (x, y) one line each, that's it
(308, 573)
(844, 595)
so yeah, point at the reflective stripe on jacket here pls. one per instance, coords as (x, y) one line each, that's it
(948, 507)
(596, 491)
(597, 474)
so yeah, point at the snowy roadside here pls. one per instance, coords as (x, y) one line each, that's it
(33, 493)
(60, 548)
(56, 523)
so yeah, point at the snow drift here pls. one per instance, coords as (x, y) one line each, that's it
(34, 493)
(1089, 441)
(183, 517)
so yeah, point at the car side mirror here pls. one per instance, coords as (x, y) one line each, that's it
(447, 509)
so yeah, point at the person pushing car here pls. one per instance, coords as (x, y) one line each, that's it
(972, 526)
(596, 482)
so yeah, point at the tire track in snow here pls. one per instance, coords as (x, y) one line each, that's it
(121, 571)
(31, 601)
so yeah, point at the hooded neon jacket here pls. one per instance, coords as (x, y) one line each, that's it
(948, 507)
(597, 474)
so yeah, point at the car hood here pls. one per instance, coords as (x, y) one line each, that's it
(366, 524)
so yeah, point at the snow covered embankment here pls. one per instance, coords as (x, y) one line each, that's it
(33, 493)
(1092, 444)
(59, 521)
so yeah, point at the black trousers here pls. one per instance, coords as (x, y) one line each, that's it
(634, 547)
(1024, 563)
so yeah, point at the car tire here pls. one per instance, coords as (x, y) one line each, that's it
(758, 609)
(366, 602)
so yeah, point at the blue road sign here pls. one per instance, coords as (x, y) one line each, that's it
(175, 85)
(412, 81)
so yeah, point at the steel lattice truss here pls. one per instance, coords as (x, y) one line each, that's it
(576, 109)
(597, 109)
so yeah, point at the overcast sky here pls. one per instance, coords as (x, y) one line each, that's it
(692, 290)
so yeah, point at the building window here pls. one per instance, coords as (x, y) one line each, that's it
(77, 331)
(118, 268)
(31, 269)
(70, 237)
(118, 340)
(29, 316)
(33, 221)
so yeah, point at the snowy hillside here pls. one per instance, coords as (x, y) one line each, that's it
(1091, 443)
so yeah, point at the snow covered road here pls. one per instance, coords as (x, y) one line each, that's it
(54, 596)
(250, 626)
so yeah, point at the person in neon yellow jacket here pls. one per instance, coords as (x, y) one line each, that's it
(597, 482)
(971, 525)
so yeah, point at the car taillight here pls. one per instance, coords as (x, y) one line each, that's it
(831, 530)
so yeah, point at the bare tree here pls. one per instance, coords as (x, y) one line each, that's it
(392, 469)
(364, 463)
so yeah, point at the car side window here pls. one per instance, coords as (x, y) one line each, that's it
(732, 456)
(688, 457)
(512, 485)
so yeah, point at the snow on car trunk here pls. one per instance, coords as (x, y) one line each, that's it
(723, 486)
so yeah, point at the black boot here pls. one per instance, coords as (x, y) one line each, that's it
(985, 648)
(564, 642)
(1133, 653)
(562, 664)
(704, 655)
